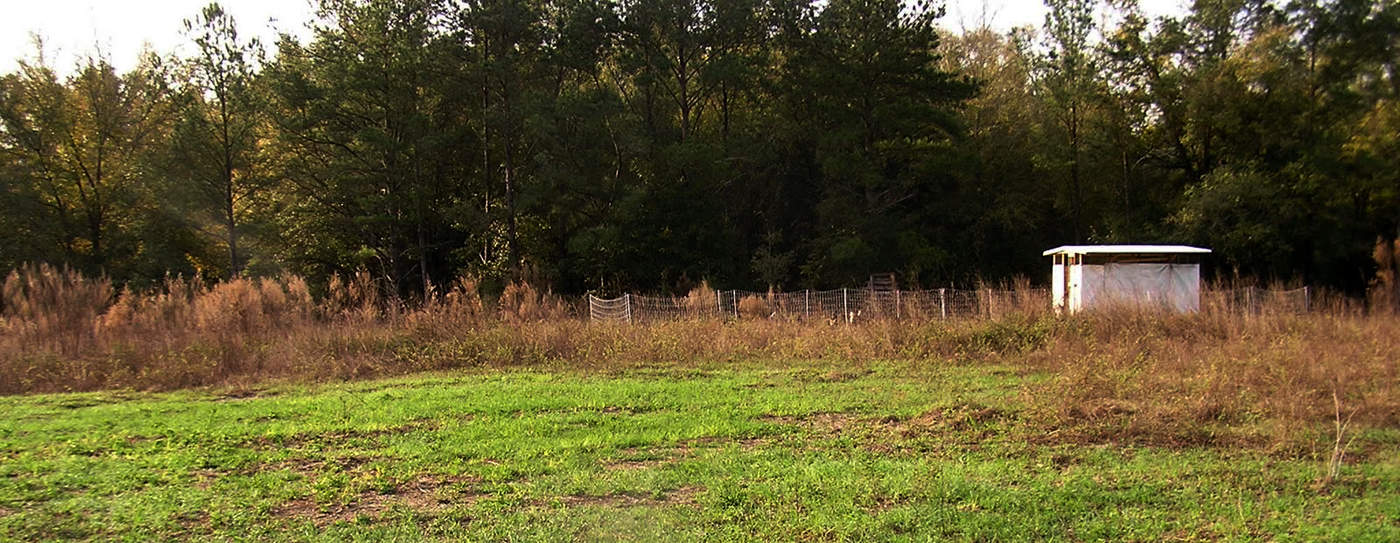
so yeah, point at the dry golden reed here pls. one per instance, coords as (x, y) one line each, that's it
(1220, 376)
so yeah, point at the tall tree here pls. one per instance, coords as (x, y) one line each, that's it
(1071, 86)
(216, 140)
(506, 38)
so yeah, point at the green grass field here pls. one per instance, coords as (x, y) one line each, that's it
(798, 451)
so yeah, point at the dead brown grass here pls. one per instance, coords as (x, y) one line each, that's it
(1219, 377)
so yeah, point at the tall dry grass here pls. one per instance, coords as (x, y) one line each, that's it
(1220, 376)
(1217, 378)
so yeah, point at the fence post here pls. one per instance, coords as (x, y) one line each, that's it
(719, 305)
(735, 295)
(1249, 300)
(807, 304)
(942, 304)
(896, 304)
(1307, 299)
(627, 298)
(845, 307)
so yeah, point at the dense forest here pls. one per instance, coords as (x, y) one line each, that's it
(652, 144)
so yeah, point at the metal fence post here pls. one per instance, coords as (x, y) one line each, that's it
(942, 304)
(845, 307)
(719, 304)
(735, 295)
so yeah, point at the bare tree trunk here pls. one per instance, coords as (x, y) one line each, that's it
(233, 265)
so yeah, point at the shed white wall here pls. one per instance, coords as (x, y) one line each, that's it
(1076, 290)
(1172, 286)
(1057, 286)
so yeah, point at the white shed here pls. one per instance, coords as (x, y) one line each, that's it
(1089, 276)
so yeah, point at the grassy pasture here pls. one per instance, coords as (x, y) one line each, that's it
(249, 410)
(733, 450)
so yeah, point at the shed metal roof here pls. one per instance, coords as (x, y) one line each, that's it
(1125, 249)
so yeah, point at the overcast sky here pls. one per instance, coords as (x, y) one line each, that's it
(121, 27)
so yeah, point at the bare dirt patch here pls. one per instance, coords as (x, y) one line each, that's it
(204, 478)
(959, 418)
(429, 495)
(964, 425)
(241, 394)
(634, 458)
(305, 439)
(193, 522)
(680, 496)
(745, 443)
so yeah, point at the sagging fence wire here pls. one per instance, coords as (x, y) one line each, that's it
(859, 304)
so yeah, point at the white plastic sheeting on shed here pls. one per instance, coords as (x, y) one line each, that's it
(1169, 286)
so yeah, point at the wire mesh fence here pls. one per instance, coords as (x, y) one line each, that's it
(840, 305)
(1255, 300)
(860, 304)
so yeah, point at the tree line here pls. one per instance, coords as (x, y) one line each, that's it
(652, 144)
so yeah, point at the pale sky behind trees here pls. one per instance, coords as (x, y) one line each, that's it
(121, 28)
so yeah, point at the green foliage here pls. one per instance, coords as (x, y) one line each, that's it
(589, 144)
